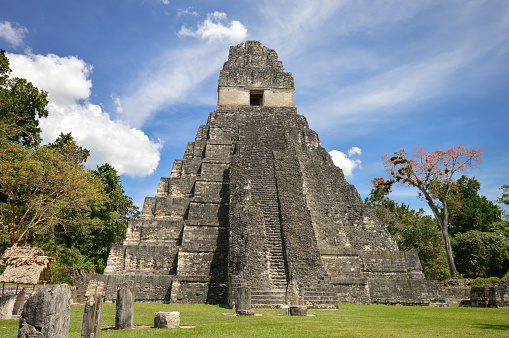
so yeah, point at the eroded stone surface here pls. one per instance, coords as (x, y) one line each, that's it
(7, 306)
(92, 317)
(124, 314)
(167, 320)
(298, 310)
(46, 313)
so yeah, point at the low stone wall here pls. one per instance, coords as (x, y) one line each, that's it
(148, 288)
(454, 295)
(406, 292)
(496, 295)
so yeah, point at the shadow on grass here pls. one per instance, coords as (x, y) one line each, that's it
(493, 327)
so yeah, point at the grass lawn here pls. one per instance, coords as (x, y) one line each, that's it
(348, 321)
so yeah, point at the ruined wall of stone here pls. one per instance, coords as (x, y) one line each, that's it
(252, 65)
(302, 254)
(201, 274)
(148, 288)
(339, 216)
(405, 291)
(255, 221)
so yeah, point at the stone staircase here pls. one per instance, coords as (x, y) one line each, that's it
(320, 296)
(257, 147)
(268, 298)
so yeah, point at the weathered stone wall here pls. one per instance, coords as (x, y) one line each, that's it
(405, 291)
(147, 288)
(252, 65)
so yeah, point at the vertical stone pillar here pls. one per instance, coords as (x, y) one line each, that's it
(243, 301)
(124, 314)
(20, 301)
(47, 313)
(293, 295)
(7, 305)
(92, 317)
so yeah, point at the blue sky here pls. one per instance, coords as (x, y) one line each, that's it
(132, 80)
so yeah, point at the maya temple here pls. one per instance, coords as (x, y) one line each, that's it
(257, 202)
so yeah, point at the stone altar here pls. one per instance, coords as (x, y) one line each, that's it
(257, 202)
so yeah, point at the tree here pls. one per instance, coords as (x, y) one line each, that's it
(109, 220)
(481, 254)
(433, 174)
(504, 199)
(21, 105)
(476, 212)
(41, 189)
(412, 230)
(87, 245)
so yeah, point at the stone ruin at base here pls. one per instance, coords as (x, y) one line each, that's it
(257, 202)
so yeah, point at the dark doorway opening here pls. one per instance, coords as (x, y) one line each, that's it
(256, 98)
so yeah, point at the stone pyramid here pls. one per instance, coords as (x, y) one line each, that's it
(257, 202)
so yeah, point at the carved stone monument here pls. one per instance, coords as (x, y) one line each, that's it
(256, 201)
(124, 307)
(47, 313)
(92, 317)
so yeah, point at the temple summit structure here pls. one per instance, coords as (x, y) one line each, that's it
(257, 202)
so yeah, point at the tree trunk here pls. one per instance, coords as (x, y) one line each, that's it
(448, 251)
(443, 224)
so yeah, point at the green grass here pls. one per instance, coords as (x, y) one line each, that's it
(348, 321)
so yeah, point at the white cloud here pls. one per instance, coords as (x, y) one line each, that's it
(170, 79)
(116, 99)
(187, 11)
(127, 149)
(166, 2)
(344, 162)
(64, 78)
(354, 151)
(13, 34)
(215, 27)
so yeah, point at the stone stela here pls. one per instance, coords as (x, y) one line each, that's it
(256, 202)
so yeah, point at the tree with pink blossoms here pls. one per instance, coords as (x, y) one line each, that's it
(434, 175)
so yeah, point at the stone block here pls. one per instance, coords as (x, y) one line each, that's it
(218, 153)
(298, 310)
(47, 313)
(167, 320)
(214, 171)
(124, 314)
(207, 213)
(209, 191)
(243, 301)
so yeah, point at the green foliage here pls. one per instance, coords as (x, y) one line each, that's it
(21, 104)
(504, 199)
(479, 281)
(412, 230)
(480, 254)
(47, 197)
(40, 189)
(476, 211)
(89, 244)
